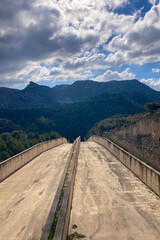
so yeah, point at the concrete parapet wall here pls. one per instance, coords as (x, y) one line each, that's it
(12, 164)
(145, 173)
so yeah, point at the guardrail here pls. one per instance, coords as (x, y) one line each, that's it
(14, 163)
(57, 223)
(144, 172)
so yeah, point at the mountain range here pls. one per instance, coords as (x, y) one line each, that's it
(38, 113)
(38, 96)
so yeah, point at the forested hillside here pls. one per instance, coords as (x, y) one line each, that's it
(18, 140)
(37, 113)
(72, 120)
(39, 96)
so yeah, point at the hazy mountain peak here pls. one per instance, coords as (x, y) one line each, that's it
(31, 85)
(36, 96)
(35, 86)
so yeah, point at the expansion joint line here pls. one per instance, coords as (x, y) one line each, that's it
(54, 224)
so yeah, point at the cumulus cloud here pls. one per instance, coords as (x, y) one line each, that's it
(151, 82)
(115, 75)
(156, 70)
(116, 3)
(35, 72)
(94, 60)
(39, 31)
(153, 2)
(139, 45)
(66, 40)
(32, 72)
(63, 75)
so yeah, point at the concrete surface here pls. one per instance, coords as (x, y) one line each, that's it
(109, 202)
(27, 195)
(147, 174)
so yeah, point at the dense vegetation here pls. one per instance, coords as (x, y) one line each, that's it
(152, 106)
(40, 116)
(8, 125)
(76, 119)
(18, 140)
(108, 125)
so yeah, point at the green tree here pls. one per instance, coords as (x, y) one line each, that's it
(3, 146)
(6, 137)
(18, 140)
(4, 155)
(153, 106)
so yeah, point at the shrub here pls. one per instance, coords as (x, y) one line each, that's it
(153, 106)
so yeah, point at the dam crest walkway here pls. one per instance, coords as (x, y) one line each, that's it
(109, 201)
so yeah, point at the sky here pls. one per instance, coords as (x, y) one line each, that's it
(60, 41)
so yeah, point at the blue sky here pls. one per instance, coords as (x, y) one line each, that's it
(60, 41)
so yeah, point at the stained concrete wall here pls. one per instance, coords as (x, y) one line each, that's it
(144, 172)
(140, 136)
(12, 164)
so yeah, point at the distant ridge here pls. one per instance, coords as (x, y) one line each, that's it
(39, 96)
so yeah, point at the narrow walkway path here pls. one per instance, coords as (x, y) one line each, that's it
(109, 202)
(27, 195)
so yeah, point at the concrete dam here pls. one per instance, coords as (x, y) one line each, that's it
(85, 190)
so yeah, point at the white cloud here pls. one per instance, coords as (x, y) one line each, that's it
(32, 72)
(90, 60)
(41, 31)
(153, 2)
(37, 35)
(115, 75)
(35, 72)
(116, 3)
(156, 70)
(151, 82)
(140, 44)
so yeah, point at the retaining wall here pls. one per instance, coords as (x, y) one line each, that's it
(12, 164)
(144, 172)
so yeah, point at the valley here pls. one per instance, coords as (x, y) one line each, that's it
(86, 103)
